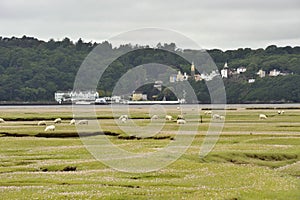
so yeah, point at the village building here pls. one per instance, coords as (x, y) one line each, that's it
(261, 73)
(225, 71)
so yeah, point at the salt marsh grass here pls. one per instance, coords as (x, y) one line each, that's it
(253, 159)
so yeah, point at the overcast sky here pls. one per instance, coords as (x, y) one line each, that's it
(225, 24)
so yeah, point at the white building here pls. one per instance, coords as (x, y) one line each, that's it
(261, 73)
(74, 96)
(274, 72)
(225, 71)
(241, 70)
(251, 80)
(158, 85)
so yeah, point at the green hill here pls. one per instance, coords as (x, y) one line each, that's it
(32, 70)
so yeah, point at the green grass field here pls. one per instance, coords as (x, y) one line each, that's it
(253, 159)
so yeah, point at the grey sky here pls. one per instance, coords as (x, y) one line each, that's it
(226, 24)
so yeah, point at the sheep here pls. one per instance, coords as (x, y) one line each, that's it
(181, 121)
(123, 116)
(168, 117)
(154, 117)
(262, 116)
(72, 122)
(50, 128)
(180, 117)
(280, 112)
(216, 116)
(2, 120)
(220, 117)
(207, 112)
(84, 121)
(123, 120)
(57, 121)
(40, 123)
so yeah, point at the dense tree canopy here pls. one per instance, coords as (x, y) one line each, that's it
(32, 70)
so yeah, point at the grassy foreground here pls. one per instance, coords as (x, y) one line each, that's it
(253, 159)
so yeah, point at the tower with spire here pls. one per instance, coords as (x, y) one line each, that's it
(225, 71)
(192, 70)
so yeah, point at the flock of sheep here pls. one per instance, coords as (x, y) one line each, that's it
(58, 121)
(123, 118)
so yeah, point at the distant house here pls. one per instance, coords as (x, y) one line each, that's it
(74, 96)
(158, 85)
(251, 80)
(225, 71)
(138, 96)
(173, 78)
(261, 73)
(274, 72)
(241, 70)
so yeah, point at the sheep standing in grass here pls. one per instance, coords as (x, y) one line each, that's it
(2, 120)
(40, 123)
(216, 116)
(154, 117)
(180, 117)
(123, 117)
(181, 121)
(72, 122)
(168, 117)
(57, 121)
(124, 120)
(262, 116)
(50, 128)
(82, 122)
(207, 112)
(280, 112)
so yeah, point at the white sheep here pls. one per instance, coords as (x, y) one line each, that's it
(181, 121)
(50, 128)
(2, 120)
(280, 112)
(180, 117)
(262, 116)
(123, 120)
(57, 121)
(123, 116)
(84, 121)
(168, 117)
(216, 116)
(40, 123)
(207, 112)
(72, 122)
(154, 117)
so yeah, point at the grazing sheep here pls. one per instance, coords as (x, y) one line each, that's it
(262, 116)
(207, 112)
(154, 117)
(50, 128)
(216, 116)
(168, 117)
(181, 121)
(2, 120)
(280, 112)
(123, 116)
(57, 121)
(72, 122)
(82, 122)
(180, 117)
(40, 123)
(123, 120)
